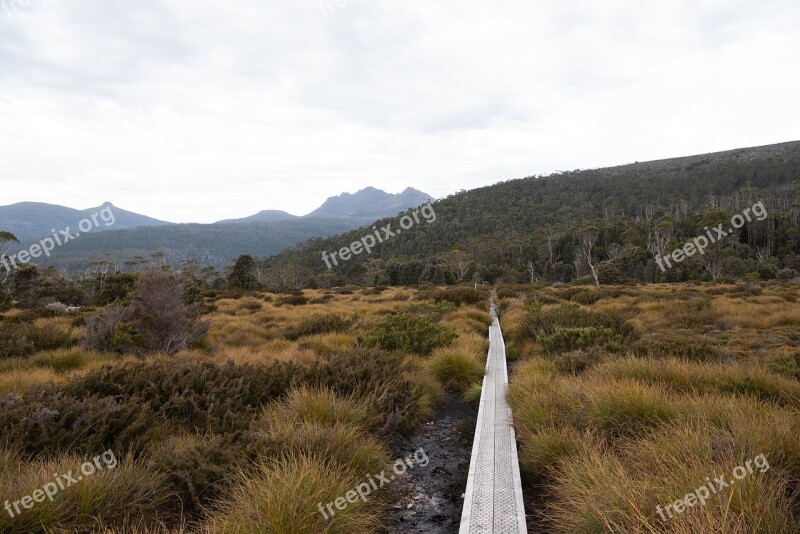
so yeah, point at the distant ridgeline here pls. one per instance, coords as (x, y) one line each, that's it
(605, 225)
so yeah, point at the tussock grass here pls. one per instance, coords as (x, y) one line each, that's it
(512, 319)
(472, 395)
(784, 361)
(759, 312)
(21, 380)
(543, 449)
(703, 378)
(240, 331)
(429, 390)
(112, 497)
(17, 375)
(611, 407)
(330, 343)
(343, 444)
(474, 343)
(322, 424)
(283, 496)
(468, 320)
(456, 368)
(140, 526)
(597, 490)
(608, 446)
(322, 406)
(63, 360)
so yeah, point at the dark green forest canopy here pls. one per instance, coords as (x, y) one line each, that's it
(529, 229)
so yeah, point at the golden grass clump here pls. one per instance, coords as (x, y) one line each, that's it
(598, 490)
(472, 395)
(239, 331)
(322, 406)
(61, 360)
(111, 496)
(20, 380)
(611, 407)
(430, 390)
(326, 344)
(702, 378)
(341, 443)
(18, 375)
(512, 319)
(284, 496)
(462, 365)
(468, 320)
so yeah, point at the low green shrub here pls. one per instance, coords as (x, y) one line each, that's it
(571, 292)
(128, 405)
(544, 321)
(572, 339)
(319, 324)
(19, 337)
(683, 344)
(52, 421)
(292, 300)
(429, 309)
(578, 361)
(125, 406)
(198, 468)
(456, 295)
(785, 364)
(409, 333)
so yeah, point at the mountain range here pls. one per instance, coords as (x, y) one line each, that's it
(370, 204)
(31, 220)
(363, 206)
(132, 234)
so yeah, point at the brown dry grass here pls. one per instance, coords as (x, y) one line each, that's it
(606, 447)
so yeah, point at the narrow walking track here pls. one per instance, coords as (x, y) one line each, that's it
(493, 500)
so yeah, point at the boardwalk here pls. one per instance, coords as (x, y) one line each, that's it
(493, 500)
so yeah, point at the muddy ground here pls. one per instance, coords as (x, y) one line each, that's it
(429, 500)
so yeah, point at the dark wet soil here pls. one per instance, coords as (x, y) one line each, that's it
(429, 500)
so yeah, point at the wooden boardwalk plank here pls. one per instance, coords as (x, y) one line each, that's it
(493, 499)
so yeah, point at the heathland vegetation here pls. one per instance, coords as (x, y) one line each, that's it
(228, 411)
(233, 410)
(628, 399)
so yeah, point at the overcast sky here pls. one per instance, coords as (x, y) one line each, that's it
(198, 110)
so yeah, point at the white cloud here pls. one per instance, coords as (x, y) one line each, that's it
(198, 111)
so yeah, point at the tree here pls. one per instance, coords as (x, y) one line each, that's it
(588, 237)
(244, 275)
(714, 260)
(460, 263)
(156, 321)
(533, 272)
(7, 239)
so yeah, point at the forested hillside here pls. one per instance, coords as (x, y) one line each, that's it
(210, 244)
(613, 223)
